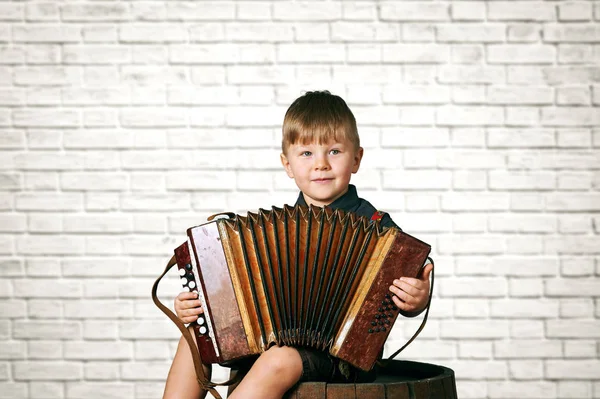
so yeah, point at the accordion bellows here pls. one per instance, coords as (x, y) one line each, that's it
(296, 276)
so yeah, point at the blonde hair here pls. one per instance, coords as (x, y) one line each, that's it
(319, 116)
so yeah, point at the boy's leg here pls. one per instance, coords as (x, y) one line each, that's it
(275, 372)
(181, 382)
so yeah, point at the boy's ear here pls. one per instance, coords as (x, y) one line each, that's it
(357, 158)
(286, 165)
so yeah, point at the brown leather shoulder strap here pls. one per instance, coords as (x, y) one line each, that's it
(200, 376)
(385, 361)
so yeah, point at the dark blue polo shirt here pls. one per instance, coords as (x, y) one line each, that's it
(350, 202)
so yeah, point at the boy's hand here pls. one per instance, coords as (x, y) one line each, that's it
(188, 306)
(412, 294)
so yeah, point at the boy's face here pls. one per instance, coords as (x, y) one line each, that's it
(322, 171)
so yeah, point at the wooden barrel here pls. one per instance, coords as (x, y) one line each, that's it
(400, 379)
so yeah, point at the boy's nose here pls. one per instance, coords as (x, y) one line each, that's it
(321, 163)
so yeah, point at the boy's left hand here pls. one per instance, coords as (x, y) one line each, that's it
(412, 294)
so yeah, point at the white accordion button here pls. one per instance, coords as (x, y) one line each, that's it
(182, 272)
(200, 320)
(184, 281)
(202, 330)
(192, 284)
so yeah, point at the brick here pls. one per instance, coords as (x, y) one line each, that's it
(47, 75)
(470, 74)
(467, 54)
(73, 181)
(566, 75)
(260, 32)
(572, 369)
(575, 11)
(12, 223)
(153, 117)
(476, 245)
(413, 11)
(575, 287)
(575, 54)
(480, 287)
(148, 224)
(527, 329)
(147, 329)
(479, 329)
(415, 94)
(316, 53)
(574, 389)
(574, 224)
(579, 348)
(95, 54)
(205, 11)
(44, 139)
(254, 11)
(572, 328)
(205, 54)
(45, 223)
(95, 224)
(95, 12)
(573, 95)
(474, 202)
(522, 180)
(576, 32)
(12, 55)
(472, 11)
(526, 370)
(148, 11)
(524, 32)
(574, 181)
(577, 267)
(11, 390)
(46, 390)
(46, 33)
(521, 54)
(116, 390)
(86, 350)
(565, 160)
(359, 11)
(436, 180)
(49, 202)
(208, 32)
(524, 308)
(519, 95)
(42, 12)
(465, 115)
(99, 33)
(11, 308)
(520, 138)
(45, 350)
(96, 309)
(522, 116)
(306, 11)
(522, 223)
(415, 53)
(150, 74)
(152, 33)
(570, 116)
(418, 32)
(459, 33)
(521, 11)
(528, 349)
(101, 370)
(469, 180)
(137, 371)
(47, 329)
(576, 308)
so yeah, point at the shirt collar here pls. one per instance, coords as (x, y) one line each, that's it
(347, 202)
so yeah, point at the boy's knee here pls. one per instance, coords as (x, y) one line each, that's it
(282, 360)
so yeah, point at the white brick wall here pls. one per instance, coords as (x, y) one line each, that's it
(124, 123)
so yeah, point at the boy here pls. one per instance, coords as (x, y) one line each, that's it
(321, 151)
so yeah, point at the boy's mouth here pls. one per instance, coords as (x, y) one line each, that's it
(323, 180)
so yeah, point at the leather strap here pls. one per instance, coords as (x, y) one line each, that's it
(204, 383)
(383, 363)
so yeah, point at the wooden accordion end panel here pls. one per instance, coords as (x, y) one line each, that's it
(296, 276)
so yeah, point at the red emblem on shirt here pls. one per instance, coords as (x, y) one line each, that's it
(378, 215)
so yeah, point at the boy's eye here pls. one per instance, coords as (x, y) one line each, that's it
(306, 153)
(334, 152)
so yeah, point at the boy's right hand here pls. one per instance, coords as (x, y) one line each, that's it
(188, 306)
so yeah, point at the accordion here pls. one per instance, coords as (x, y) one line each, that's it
(296, 276)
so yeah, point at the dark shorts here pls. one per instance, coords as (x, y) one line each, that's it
(319, 366)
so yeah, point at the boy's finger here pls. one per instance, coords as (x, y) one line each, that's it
(187, 295)
(189, 319)
(191, 304)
